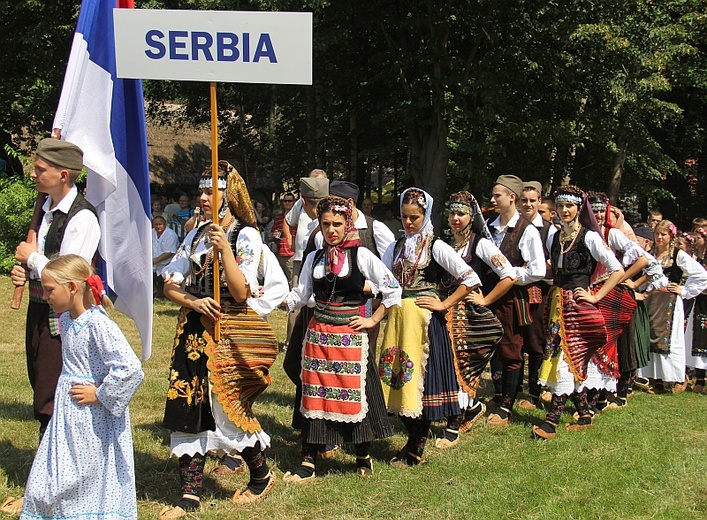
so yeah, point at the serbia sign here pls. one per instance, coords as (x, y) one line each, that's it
(218, 46)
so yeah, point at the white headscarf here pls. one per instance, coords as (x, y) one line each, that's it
(412, 242)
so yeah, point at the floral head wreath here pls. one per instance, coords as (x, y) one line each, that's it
(673, 230)
(701, 231)
(688, 237)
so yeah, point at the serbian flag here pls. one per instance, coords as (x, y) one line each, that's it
(105, 117)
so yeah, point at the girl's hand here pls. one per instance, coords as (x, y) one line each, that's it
(630, 284)
(208, 307)
(582, 294)
(477, 298)
(84, 394)
(218, 239)
(640, 296)
(359, 323)
(432, 303)
(674, 288)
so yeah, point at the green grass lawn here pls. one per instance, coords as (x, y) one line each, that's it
(648, 461)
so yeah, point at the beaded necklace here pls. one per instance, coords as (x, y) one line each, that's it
(572, 238)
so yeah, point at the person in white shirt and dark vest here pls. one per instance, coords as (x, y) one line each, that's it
(69, 225)
(520, 243)
(534, 334)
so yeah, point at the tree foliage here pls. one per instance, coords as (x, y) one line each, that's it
(447, 94)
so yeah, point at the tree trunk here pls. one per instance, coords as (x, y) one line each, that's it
(429, 154)
(617, 172)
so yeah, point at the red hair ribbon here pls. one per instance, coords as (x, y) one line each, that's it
(96, 284)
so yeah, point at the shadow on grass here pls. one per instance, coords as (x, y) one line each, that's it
(156, 430)
(157, 479)
(173, 312)
(16, 463)
(16, 411)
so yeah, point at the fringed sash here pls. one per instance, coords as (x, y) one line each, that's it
(575, 329)
(238, 365)
(475, 331)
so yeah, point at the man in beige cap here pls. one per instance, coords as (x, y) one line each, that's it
(534, 334)
(520, 242)
(312, 190)
(69, 225)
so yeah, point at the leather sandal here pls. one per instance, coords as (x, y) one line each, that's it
(406, 460)
(171, 513)
(539, 433)
(467, 425)
(365, 471)
(445, 443)
(294, 478)
(496, 420)
(246, 496)
(225, 471)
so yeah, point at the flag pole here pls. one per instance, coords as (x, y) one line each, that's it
(215, 203)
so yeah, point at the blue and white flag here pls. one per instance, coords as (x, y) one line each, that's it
(105, 116)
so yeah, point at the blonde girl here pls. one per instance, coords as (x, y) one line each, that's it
(84, 467)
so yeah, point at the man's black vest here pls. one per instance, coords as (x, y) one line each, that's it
(55, 235)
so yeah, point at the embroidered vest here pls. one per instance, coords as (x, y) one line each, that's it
(55, 235)
(202, 284)
(426, 276)
(509, 248)
(578, 264)
(347, 290)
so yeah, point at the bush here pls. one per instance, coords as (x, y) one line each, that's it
(17, 196)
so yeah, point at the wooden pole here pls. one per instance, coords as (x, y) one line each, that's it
(215, 203)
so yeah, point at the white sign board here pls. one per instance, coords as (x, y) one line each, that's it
(221, 46)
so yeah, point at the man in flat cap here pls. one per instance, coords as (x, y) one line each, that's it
(312, 190)
(520, 242)
(534, 334)
(69, 225)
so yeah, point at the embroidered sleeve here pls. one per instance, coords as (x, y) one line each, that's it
(247, 253)
(448, 258)
(275, 284)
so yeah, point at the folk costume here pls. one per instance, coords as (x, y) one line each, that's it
(84, 467)
(342, 400)
(520, 243)
(534, 333)
(69, 225)
(416, 362)
(617, 307)
(475, 329)
(575, 329)
(212, 386)
(696, 357)
(669, 339)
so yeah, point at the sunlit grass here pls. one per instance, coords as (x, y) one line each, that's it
(648, 461)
